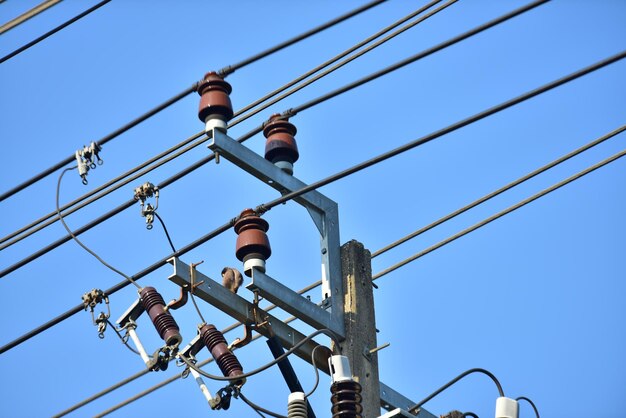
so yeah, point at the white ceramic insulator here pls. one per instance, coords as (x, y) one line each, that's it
(339, 368)
(142, 351)
(213, 122)
(251, 263)
(296, 407)
(507, 408)
(286, 166)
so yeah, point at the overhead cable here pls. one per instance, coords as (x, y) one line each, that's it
(451, 128)
(190, 90)
(29, 14)
(499, 215)
(415, 408)
(500, 191)
(293, 111)
(50, 218)
(52, 32)
(341, 63)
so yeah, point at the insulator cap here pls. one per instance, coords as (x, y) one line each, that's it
(506, 408)
(162, 319)
(281, 148)
(253, 245)
(214, 98)
(225, 359)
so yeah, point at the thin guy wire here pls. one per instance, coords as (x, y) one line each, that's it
(69, 231)
(415, 408)
(52, 32)
(524, 398)
(186, 92)
(111, 185)
(300, 108)
(451, 128)
(29, 14)
(163, 383)
(499, 214)
(343, 62)
(499, 191)
(248, 107)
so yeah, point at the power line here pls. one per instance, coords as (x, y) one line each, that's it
(356, 168)
(451, 128)
(188, 91)
(94, 194)
(50, 218)
(42, 7)
(292, 112)
(343, 62)
(499, 215)
(52, 32)
(500, 191)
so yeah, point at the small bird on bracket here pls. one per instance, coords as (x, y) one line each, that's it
(231, 279)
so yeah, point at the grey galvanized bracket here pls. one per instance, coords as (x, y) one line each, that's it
(390, 400)
(325, 215)
(241, 310)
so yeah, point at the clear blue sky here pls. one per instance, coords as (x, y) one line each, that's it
(536, 297)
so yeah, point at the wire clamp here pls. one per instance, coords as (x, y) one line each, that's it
(143, 193)
(87, 158)
(90, 300)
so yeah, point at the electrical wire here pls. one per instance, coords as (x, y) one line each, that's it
(415, 408)
(135, 170)
(451, 128)
(135, 173)
(418, 56)
(470, 414)
(119, 286)
(341, 63)
(122, 339)
(149, 390)
(69, 231)
(41, 7)
(106, 188)
(331, 334)
(317, 101)
(500, 190)
(167, 234)
(524, 398)
(189, 90)
(499, 215)
(294, 194)
(52, 32)
(317, 373)
(258, 408)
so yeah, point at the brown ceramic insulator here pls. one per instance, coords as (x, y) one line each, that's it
(163, 321)
(252, 238)
(214, 97)
(216, 343)
(346, 399)
(280, 144)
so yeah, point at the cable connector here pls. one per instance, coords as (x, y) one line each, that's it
(86, 159)
(141, 194)
(90, 300)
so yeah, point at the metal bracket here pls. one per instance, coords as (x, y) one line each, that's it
(325, 215)
(391, 400)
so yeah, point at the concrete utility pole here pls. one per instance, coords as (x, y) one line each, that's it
(360, 323)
